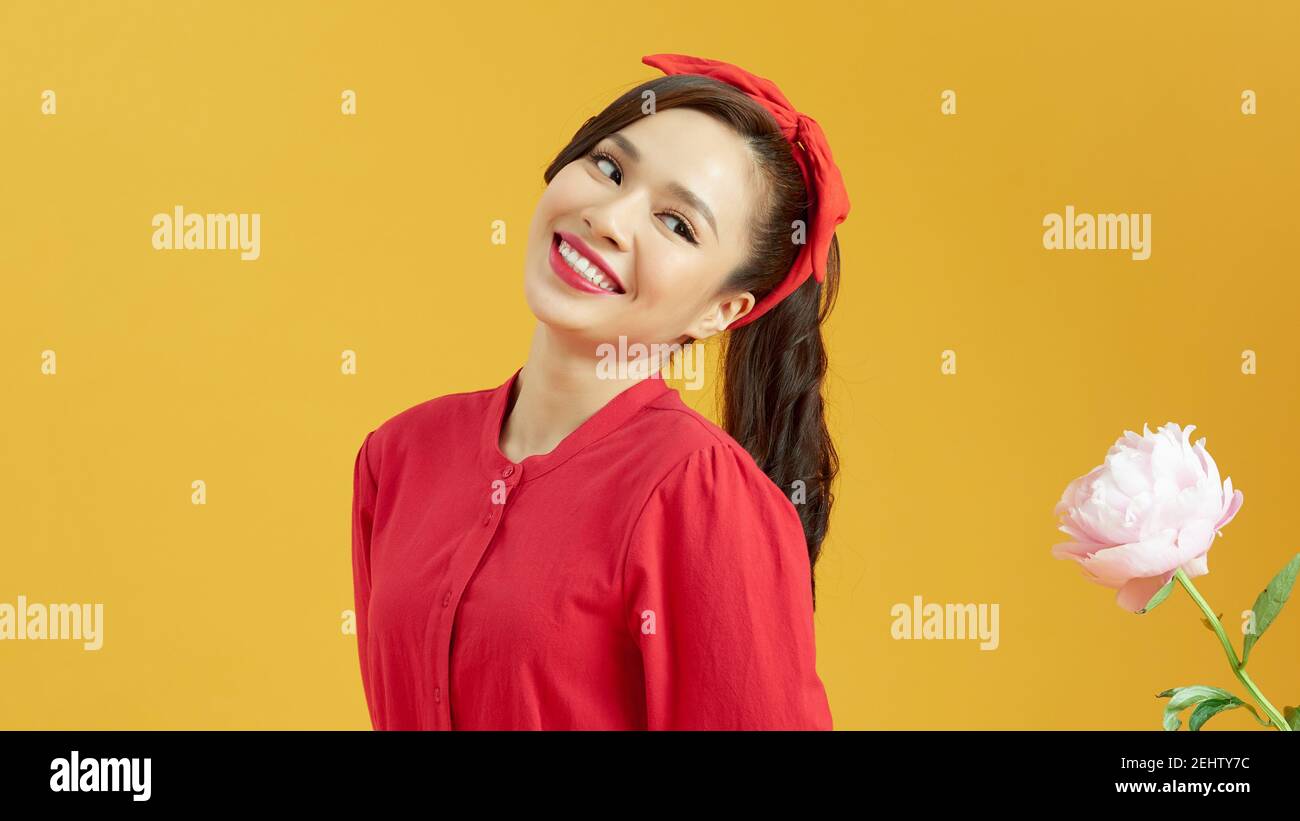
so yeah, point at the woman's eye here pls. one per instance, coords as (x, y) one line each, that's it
(682, 224)
(601, 162)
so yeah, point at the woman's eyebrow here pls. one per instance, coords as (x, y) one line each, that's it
(675, 188)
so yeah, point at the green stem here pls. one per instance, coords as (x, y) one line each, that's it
(1237, 667)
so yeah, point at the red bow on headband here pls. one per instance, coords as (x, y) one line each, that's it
(830, 202)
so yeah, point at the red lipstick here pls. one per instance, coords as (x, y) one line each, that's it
(565, 272)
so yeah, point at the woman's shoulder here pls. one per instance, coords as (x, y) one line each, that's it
(690, 446)
(444, 415)
(707, 489)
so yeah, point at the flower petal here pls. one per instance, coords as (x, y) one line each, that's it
(1135, 594)
(1076, 550)
(1194, 539)
(1129, 471)
(1232, 505)
(1198, 566)
(1152, 556)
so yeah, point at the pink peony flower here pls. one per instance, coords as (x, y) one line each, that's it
(1154, 506)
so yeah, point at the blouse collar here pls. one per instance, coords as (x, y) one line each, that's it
(603, 422)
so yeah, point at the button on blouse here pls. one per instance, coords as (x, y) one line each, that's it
(644, 574)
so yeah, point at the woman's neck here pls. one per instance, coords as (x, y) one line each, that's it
(558, 389)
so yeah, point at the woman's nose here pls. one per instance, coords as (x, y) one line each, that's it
(608, 221)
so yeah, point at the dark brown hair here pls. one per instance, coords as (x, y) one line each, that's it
(774, 366)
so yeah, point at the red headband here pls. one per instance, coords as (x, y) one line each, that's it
(830, 202)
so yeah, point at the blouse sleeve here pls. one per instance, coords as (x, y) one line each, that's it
(718, 596)
(364, 488)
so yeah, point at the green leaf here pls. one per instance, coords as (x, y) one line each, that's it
(1208, 708)
(1182, 697)
(1264, 721)
(1292, 716)
(1160, 596)
(1269, 603)
(1172, 722)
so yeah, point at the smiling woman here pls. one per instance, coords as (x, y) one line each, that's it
(492, 591)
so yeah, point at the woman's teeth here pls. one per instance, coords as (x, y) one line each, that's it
(584, 267)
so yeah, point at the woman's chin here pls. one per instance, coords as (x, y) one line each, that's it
(559, 310)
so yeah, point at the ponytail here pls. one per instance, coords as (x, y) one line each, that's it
(772, 400)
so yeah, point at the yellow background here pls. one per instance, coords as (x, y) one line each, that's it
(176, 366)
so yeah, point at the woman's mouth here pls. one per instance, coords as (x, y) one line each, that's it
(578, 269)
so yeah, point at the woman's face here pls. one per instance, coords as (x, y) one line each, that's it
(666, 212)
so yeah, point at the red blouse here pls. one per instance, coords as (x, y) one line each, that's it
(644, 574)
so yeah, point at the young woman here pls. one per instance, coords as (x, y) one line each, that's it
(577, 548)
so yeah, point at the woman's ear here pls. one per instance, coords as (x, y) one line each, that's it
(720, 315)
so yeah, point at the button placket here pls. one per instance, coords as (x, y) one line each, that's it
(512, 474)
(506, 472)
